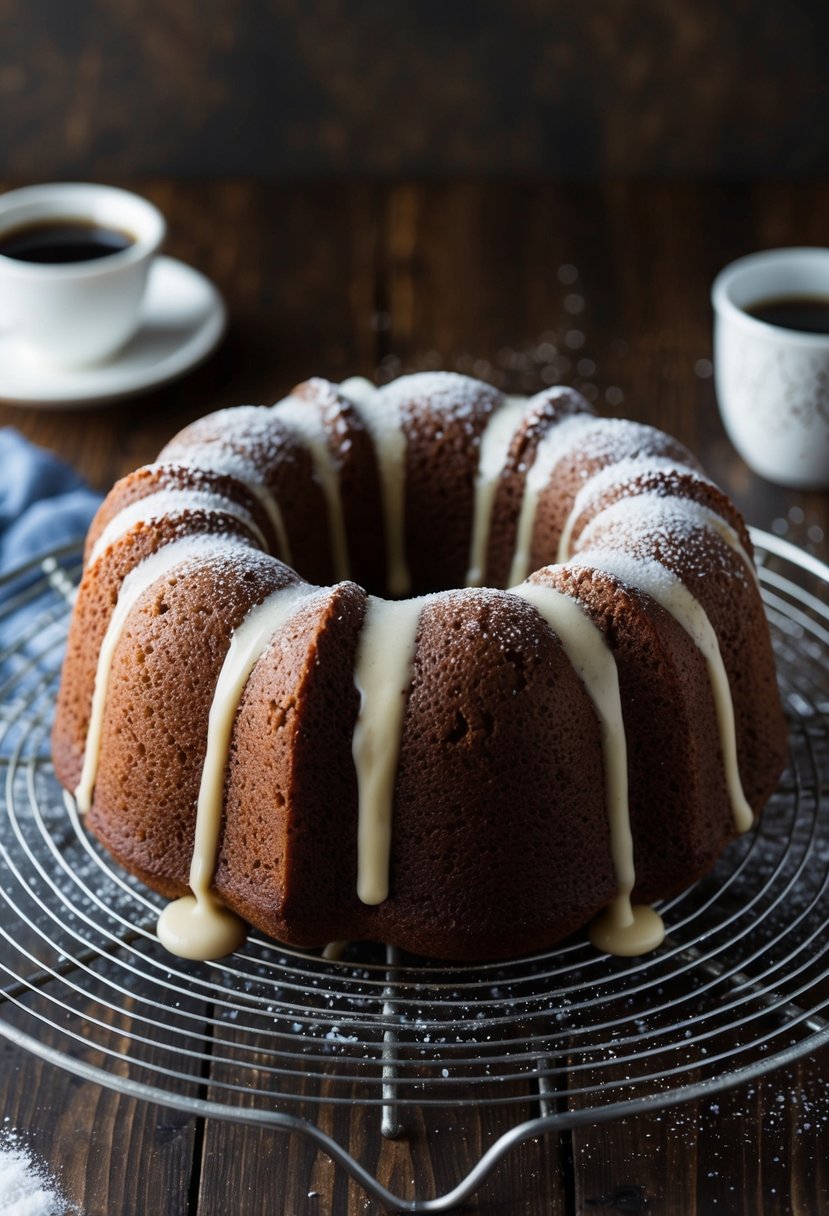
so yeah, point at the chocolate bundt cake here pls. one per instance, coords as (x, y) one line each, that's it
(435, 762)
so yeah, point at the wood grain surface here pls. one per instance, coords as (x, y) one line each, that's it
(278, 88)
(603, 286)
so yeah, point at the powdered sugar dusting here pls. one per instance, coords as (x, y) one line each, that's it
(627, 478)
(220, 457)
(617, 439)
(628, 475)
(571, 432)
(651, 523)
(458, 397)
(635, 571)
(240, 433)
(171, 504)
(26, 1188)
(316, 412)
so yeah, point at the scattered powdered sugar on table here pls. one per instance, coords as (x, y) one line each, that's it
(26, 1188)
(560, 355)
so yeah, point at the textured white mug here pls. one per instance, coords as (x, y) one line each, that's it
(773, 383)
(77, 313)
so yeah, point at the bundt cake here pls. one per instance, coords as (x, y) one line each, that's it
(435, 762)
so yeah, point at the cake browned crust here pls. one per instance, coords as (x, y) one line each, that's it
(501, 841)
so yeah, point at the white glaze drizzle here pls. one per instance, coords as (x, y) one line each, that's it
(334, 951)
(627, 931)
(306, 422)
(382, 419)
(593, 662)
(357, 388)
(556, 442)
(382, 676)
(496, 441)
(671, 593)
(198, 925)
(169, 504)
(607, 478)
(218, 458)
(139, 580)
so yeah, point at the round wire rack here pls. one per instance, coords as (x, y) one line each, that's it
(274, 1036)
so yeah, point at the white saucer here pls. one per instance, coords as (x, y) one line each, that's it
(183, 319)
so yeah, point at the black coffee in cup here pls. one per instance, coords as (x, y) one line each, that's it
(808, 314)
(56, 242)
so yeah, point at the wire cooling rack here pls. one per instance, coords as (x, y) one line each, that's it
(279, 1037)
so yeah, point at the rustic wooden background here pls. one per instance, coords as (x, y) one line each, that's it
(292, 88)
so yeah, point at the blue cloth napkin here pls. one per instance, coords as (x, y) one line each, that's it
(43, 502)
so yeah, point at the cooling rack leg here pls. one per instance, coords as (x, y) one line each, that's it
(546, 1095)
(390, 1126)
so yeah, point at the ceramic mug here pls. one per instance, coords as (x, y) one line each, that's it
(72, 314)
(772, 383)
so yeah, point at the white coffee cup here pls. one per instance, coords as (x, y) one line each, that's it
(71, 314)
(773, 383)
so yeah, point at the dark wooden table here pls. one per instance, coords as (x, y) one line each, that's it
(603, 286)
